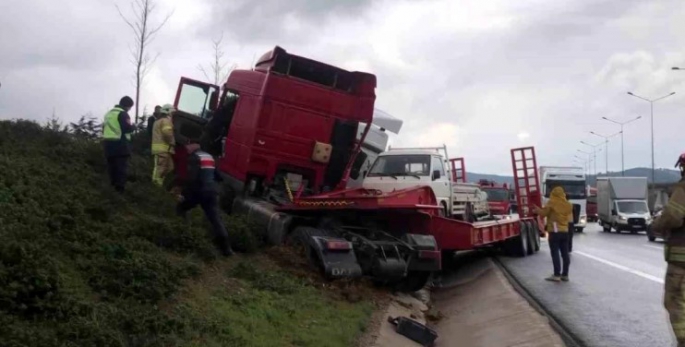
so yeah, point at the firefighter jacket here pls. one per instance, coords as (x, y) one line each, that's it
(163, 136)
(558, 210)
(116, 132)
(202, 174)
(671, 225)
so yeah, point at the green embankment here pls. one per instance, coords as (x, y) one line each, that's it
(81, 266)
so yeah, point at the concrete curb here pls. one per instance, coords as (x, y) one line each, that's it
(569, 339)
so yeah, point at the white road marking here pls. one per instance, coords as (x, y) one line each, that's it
(621, 267)
(655, 247)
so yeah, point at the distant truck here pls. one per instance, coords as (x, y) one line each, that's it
(501, 200)
(622, 204)
(401, 168)
(572, 180)
(592, 205)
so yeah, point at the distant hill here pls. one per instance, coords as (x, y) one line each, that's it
(661, 176)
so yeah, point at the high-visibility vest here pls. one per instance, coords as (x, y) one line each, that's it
(111, 129)
(159, 144)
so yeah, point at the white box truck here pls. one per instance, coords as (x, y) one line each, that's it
(622, 204)
(572, 179)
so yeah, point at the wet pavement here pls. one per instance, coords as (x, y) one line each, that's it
(615, 294)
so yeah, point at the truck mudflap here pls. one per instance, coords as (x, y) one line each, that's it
(427, 257)
(336, 257)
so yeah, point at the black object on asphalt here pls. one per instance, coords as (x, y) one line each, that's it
(414, 330)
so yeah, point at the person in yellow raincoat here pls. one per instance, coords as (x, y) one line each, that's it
(671, 227)
(163, 143)
(558, 213)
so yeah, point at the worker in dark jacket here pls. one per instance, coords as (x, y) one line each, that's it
(116, 136)
(200, 188)
(151, 121)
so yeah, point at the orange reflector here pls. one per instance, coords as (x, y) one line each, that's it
(338, 245)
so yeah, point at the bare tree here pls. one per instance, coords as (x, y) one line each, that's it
(217, 67)
(144, 31)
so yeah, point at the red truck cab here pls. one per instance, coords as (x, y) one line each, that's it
(289, 116)
(499, 197)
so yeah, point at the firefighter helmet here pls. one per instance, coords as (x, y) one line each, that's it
(167, 109)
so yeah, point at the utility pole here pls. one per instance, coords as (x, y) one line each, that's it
(651, 116)
(623, 168)
(606, 149)
(595, 149)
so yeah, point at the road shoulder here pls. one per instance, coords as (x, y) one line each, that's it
(484, 309)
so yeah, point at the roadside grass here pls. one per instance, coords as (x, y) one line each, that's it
(82, 266)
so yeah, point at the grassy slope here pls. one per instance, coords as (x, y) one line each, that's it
(81, 266)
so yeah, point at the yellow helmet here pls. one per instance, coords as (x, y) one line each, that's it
(167, 109)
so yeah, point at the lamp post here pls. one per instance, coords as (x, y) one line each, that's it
(623, 169)
(651, 116)
(595, 149)
(584, 162)
(606, 149)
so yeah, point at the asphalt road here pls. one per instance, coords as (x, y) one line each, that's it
(615, 294)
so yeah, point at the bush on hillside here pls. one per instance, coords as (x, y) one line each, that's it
(80, 264)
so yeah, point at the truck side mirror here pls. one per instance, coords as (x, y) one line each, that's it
(436, 174)
(357, 165)
(613, 212)
(364, 173)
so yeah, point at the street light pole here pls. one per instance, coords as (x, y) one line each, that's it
(594, 152)
(651, 116)
(606, 149)
(623, 169)
(585, 163)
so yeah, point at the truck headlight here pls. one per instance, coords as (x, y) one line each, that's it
(583, 220)
(622, 218)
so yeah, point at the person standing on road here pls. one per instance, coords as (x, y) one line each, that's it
(162, 145)
(116, 136)
(670, 225)
(558, 212)
(200, 188)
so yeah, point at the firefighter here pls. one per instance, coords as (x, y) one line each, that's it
(200, 188)
(670, 226)
(116, 136)
(162, 146)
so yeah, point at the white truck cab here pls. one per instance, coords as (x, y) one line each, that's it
(398, 169)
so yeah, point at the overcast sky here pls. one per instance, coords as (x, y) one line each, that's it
(480, 76)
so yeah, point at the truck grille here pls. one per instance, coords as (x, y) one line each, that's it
(636, 221)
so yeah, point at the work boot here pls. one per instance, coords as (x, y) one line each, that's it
(564, 278)
(224, 247)
(553, 279)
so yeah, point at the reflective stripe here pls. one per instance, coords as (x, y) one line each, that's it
(111, 129)
(676, 206)
(674, 253)
(206, 160)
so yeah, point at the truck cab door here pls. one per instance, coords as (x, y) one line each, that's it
(196, 103)
(440, 182)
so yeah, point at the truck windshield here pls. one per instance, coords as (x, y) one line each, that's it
(632, 206)
(497, 194)
(573, 189)
(401, 165)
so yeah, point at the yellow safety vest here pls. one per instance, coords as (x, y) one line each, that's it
(163, 136)
(111, 129)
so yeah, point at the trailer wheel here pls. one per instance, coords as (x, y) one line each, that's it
(414, 281)
(530, 238)
(535, 234)
(518, 246)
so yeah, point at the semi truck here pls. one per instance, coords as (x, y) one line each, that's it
(572, 180)
(284, 136)
(285, 133)
(622, 204)
(376, 141)
(400, 168)
(592, 204)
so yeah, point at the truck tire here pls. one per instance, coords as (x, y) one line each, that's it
(606, 227)
(531, 239)
(535, 233)
(443, 211)
(414, 281)
(651, 238)
(518, 245)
